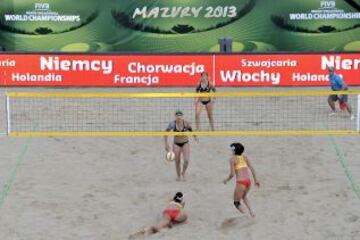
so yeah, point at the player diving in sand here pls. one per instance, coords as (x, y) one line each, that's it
(174, 213)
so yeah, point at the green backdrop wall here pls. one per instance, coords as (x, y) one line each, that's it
(179, 25)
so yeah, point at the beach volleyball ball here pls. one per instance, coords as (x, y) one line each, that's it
(170, 156)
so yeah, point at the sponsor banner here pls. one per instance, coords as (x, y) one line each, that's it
(96, 70)
(40, 13)
(176, 70)
(285, 70)
(163, 26)
(327, 11)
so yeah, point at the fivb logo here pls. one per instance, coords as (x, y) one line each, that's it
(42, 6)
(327, 4)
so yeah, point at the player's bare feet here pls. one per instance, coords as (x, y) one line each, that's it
(183, 177)
(241, 209)
(332, 113)
(139, 233)
(252, 214)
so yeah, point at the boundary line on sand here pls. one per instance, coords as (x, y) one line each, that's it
(10, 181)
(341, 159)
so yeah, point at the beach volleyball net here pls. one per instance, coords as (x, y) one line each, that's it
(148, 114)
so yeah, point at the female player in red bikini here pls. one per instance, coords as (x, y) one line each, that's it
(181, 143)
(173, 213)
(204, 87)
(239, 166)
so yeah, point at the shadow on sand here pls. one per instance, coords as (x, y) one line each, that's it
(237, 223)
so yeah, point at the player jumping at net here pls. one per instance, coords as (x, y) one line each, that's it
(204, 86)
(174, 213)
(338, 84)
(181, 143)
(239, 167)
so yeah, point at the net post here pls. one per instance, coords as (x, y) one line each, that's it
(358, 114)
(8, 123)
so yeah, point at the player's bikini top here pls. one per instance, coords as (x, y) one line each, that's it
(181, 139)
(240, 162)
(177, 204)
(202, 89)
(184, 127)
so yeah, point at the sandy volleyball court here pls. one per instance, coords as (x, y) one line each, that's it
(104, 188)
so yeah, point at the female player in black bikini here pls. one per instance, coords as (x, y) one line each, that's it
(181, 143)
(204, 87)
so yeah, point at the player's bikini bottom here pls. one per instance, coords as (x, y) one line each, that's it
(172, 213)
(180, 144)
(205, 102)
(341, 98)
(246, 182)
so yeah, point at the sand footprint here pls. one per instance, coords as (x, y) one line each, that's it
(284, 188)
(352, 219)
(197, 190)
(237, 223)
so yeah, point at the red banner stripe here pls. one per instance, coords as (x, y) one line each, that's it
(175, 70)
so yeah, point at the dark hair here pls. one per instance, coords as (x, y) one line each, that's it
(204, 73)
(178, 197)
(237, 148)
